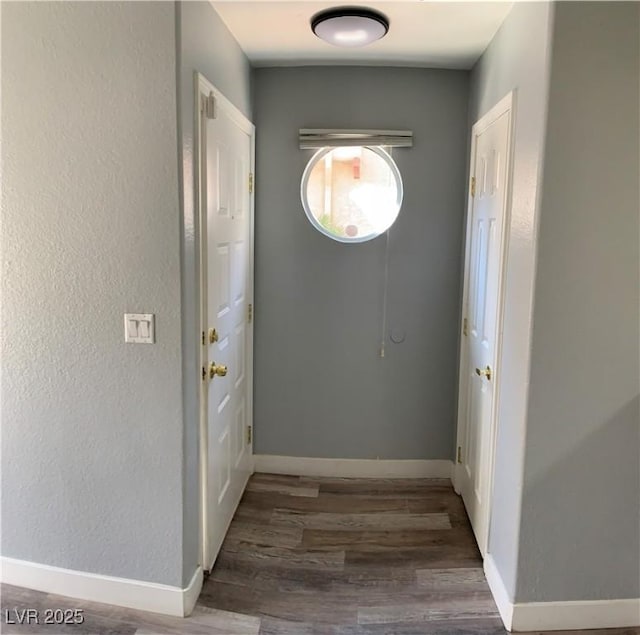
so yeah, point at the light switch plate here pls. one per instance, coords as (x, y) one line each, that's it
(139, 328)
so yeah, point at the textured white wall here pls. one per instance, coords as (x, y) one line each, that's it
(91, 426)
(580, 527)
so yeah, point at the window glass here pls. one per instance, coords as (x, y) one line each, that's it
(352, 194)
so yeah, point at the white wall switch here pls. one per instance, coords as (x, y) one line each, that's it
(139, 328)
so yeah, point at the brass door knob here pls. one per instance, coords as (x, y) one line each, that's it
(486, 372)
(217, 369)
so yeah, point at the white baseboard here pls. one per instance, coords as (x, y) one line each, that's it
(499, 591)
(352, 468)
(191, 593)
(134, 594)
(559, 616)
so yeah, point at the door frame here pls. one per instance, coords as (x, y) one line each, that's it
(505, 105)
(202, 89)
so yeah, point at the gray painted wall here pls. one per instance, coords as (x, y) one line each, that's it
(90, 425)
(204, 45)
(580, 536)
(321, 388)
(517, 59)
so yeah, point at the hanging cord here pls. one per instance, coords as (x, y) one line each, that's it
(385, 288)
(383, 335)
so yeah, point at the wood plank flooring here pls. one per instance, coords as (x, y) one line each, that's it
(324, 556)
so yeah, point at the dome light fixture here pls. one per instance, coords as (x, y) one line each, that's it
(349, 27)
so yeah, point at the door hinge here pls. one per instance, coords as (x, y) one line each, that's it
(204, 374)
(250, 182)
(473, 186)
(209, 106)
(250, 314)
(465, 327)
(249, 434)
(459, 456)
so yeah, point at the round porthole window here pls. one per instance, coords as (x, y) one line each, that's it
(351, 194)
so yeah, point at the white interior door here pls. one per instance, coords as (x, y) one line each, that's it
(226, 217)
(482, 315)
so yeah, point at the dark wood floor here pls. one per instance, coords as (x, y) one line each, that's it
(325, 556)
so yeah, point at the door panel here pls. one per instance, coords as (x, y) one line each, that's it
(226, 201)
(482, 301)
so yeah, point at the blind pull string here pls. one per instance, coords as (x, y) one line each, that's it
(385, 288)
(383, 336)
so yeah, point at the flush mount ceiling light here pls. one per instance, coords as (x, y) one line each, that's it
(349, 26)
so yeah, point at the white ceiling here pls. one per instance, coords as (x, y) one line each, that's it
(433, 34)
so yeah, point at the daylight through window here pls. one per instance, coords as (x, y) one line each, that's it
(352, 194)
